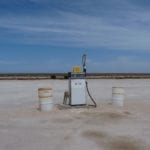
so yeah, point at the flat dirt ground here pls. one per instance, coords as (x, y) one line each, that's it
(23, 127)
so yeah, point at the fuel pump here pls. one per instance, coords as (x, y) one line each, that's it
(78, 86)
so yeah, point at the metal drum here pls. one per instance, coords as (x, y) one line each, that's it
(118, 96)
(45, 99)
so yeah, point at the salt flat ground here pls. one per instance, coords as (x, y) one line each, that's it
(23, 127)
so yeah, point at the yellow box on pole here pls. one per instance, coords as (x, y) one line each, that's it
(76, 69)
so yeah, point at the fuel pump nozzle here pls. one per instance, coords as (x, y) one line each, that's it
(84, 63)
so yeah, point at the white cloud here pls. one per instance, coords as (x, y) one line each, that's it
(9, 62)
(120, 64)
(79, 30)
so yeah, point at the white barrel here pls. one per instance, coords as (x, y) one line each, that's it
(118, 96)
(45, 99)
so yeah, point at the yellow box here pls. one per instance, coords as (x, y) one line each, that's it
(76, 69)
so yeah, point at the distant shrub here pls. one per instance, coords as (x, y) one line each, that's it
(53, 76)
(65, 77)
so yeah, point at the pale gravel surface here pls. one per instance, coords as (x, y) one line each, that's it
(23, 127)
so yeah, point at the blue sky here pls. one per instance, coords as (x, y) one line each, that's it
(52, 35)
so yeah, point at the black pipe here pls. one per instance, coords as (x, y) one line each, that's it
(95, 105)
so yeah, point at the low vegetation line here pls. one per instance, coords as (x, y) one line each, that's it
(44, 76)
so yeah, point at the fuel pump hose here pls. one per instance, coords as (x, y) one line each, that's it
(92, 99)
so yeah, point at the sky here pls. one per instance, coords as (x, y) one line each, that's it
(52, 35)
